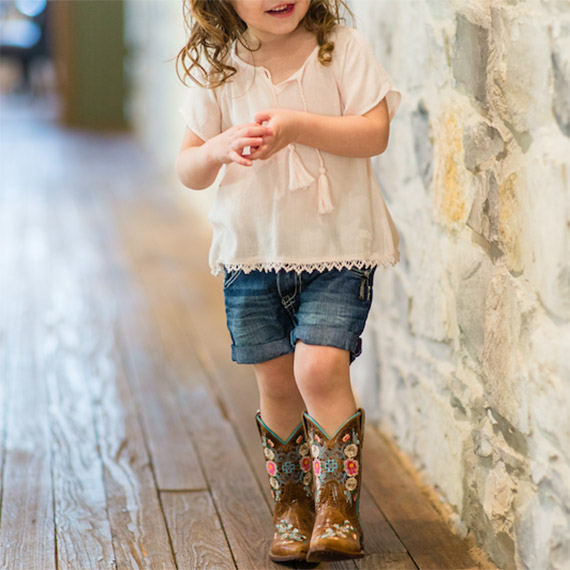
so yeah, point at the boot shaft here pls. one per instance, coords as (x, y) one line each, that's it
(288, 463)
(337, 459)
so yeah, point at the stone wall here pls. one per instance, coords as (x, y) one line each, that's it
(470, 373)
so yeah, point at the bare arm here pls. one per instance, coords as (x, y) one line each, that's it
(199, 162)
(351, 135)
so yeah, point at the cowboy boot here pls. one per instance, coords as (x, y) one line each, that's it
(337, 534)
(288, 465)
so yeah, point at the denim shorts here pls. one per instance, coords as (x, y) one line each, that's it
(268, 312)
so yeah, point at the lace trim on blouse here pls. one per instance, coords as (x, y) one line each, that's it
(320, 266)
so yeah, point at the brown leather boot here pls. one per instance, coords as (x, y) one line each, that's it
(337, 534)
(288, 465)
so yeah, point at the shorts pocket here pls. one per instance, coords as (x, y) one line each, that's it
(231, 277)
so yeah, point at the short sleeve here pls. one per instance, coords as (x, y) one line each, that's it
(363, 81)
(201, 112)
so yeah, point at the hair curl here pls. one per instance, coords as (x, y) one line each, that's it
(214, 25)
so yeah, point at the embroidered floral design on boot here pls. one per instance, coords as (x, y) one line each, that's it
(289, 468)
(337, 533)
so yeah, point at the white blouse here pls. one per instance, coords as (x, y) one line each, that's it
(302, 209)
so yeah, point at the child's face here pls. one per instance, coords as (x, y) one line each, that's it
(269, 18)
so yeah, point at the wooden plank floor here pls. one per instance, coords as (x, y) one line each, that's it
(127, 437)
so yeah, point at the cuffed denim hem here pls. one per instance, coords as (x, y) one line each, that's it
(328, 336)
(261, 352)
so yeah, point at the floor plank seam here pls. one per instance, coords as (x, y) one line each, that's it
(3, 444)
(124, 359)
(168, 531)
(222, 526)
(208, 489)
(95, 404)
(185, 491)
(54, 504)
(214, 384)
(237, 432)
(96, 271)
(400, 538)
(212, 495)
(195, 447)
(121, 334)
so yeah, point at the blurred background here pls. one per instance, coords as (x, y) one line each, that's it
(97, 65)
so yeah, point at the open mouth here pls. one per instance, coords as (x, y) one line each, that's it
(282, 10)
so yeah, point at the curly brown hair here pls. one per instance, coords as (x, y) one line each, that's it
(214, 25)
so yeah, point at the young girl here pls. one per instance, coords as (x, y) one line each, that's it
(288, 108)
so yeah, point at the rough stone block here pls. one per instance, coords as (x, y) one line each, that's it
(480, 143)
(470, 58)
(484, 214)
(545, 223)
(503, 362)
(452, 182)
(498, 497)
(520, 90)
(431, 303)
(561, 98)
(473, 271)
(423, 146)
(496, 214)
(543, 533)
(549, 379)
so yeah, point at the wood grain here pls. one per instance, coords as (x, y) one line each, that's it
(82, 527)
(196, 532)
(138, 527)
(155, 370)
(428, 539)
(244, 514)
(384, 550)
(27, 520)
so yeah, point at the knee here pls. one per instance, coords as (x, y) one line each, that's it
(319, 369)
(275, 378)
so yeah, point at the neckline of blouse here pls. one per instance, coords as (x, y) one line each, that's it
(292, 77)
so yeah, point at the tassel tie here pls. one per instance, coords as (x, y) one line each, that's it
(324, 201)
(299, 177)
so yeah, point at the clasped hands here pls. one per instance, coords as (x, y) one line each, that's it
(272, 130)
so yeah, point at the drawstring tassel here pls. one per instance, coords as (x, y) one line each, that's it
(324, 204)
(298, 175)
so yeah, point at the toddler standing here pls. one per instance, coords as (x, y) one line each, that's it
(287, 106)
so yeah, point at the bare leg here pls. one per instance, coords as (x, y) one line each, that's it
(280, 401)
(323, 377)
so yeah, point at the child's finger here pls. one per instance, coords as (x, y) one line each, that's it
(261, 152)
(254, 131)
(247, 141)
(263, 149)
(262, 117)
(239, 159)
